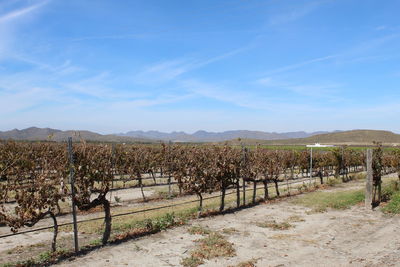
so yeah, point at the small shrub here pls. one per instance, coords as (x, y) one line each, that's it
(45, 256)
(275, 225)
(212, 246)
(295, 218)
(157, 224)
(192, 261)
(164, 222)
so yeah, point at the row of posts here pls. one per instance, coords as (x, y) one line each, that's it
(368, 191)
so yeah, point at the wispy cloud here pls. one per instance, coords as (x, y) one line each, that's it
(380, 28)
(296, 12)
(64, 68)
(171, 69)
(352, 54)
(164, 71)
(368, 45)
(111, 37)
(326, 91)
(244, 99)
(300, 64)
(15, 14)
(149, 102)
(21, 100)
(9, 23)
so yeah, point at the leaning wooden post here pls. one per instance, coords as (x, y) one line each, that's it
(244, 151)
(170, 167)
(369, 181)
(113, 172)
(72, 182)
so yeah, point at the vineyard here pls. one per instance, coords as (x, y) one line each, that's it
(38, 179)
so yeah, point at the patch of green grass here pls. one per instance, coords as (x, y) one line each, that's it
(95, 242)
(161, 223)
(321, 201)
(157, 223)
(389, 189)
(42, 259)
(394, 205)
(275, 225)
(391, 194)
(45, 256)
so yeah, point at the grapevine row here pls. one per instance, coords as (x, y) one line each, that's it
(36, 175)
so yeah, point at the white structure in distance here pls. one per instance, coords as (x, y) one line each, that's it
(319, 145)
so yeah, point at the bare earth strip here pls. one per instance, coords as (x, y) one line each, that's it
(129, 198)
(353, 237)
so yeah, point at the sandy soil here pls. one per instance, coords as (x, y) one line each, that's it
(353, 237)
(129, 198)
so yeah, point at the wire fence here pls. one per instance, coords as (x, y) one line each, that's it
(283, 183)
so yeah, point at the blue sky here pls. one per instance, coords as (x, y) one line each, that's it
(273, 65)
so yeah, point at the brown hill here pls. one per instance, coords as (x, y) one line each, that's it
(47, 134)
(354, 137)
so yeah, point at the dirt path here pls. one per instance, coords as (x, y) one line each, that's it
(353, 237)
(130, 199)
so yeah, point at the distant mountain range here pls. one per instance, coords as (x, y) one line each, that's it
(248, 137)
(203, 136)
(35, 133)
(43, 134)
(354, 137)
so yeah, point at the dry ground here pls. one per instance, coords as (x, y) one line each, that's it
(131, 198)
(352, 237)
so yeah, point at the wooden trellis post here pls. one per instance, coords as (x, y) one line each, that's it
(369, 181)
(72, 182)
(244, 159)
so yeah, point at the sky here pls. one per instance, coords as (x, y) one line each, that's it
(268, 65)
